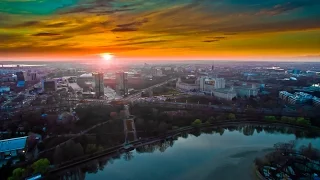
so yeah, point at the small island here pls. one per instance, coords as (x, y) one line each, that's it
(289, 162)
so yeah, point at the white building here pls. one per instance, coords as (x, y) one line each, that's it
(296, 98)
(227, 94)
(208, 84)
(85, 77)
(284, 95)
(187, 86)
(75, 87)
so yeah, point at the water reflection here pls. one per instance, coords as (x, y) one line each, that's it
(192, 151)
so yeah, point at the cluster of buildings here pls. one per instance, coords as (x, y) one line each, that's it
(95, 83)
(215, 86)
(16, 78)
(299, 98)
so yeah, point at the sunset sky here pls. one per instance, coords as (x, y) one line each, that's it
(190, 29)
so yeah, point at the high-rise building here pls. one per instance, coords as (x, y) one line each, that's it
(49, 85)
(33, 76)
(21, 78)
(99, 85)
(122, 83)
(21, 75)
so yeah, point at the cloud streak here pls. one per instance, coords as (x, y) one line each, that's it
(153, 27)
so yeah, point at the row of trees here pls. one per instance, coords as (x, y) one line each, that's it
(291, 120)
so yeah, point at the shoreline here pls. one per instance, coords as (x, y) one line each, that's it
(119, 149)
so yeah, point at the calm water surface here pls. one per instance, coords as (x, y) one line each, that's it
(208, 156)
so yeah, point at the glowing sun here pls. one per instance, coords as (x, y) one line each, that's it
(106, 56)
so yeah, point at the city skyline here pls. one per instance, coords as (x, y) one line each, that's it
(181, 29)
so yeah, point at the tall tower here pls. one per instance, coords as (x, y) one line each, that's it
(212, 67)
(99, 85)
(122, 83)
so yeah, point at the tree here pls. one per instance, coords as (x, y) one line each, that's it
(303, 121)
(163, 127)
(270, 118)
(22, 158)
(231, 116)
(91, 148)
(41, 166)
(211, 119)
(17, 174)
(310, 152)
(41, 146)
(58, 155)
(196, 122)
(288, 119)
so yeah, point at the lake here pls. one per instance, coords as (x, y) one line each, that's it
(219, 153)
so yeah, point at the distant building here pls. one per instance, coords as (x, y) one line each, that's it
(316, 101)
(21, 76)
(296, 98)
(12, 147)
(246, 91)
(49, 85)
(98, 84)
(8, 78)
(122, 83)
(75, 87)
(4, 89)
(300, 98)
(227, 94)
(156, 72)
(284, 95)
(32, 76)
(88, 94)
(208, 84)
(187, 86)
(85, 77)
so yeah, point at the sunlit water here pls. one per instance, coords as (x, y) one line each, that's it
(208, 156)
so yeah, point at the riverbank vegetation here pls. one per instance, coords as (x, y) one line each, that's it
(300, 121)
(165, 144)
(39, 167)
(151, 122)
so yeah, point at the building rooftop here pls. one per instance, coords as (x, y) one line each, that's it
(75, 86)
(86, 75)
(13, 144)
